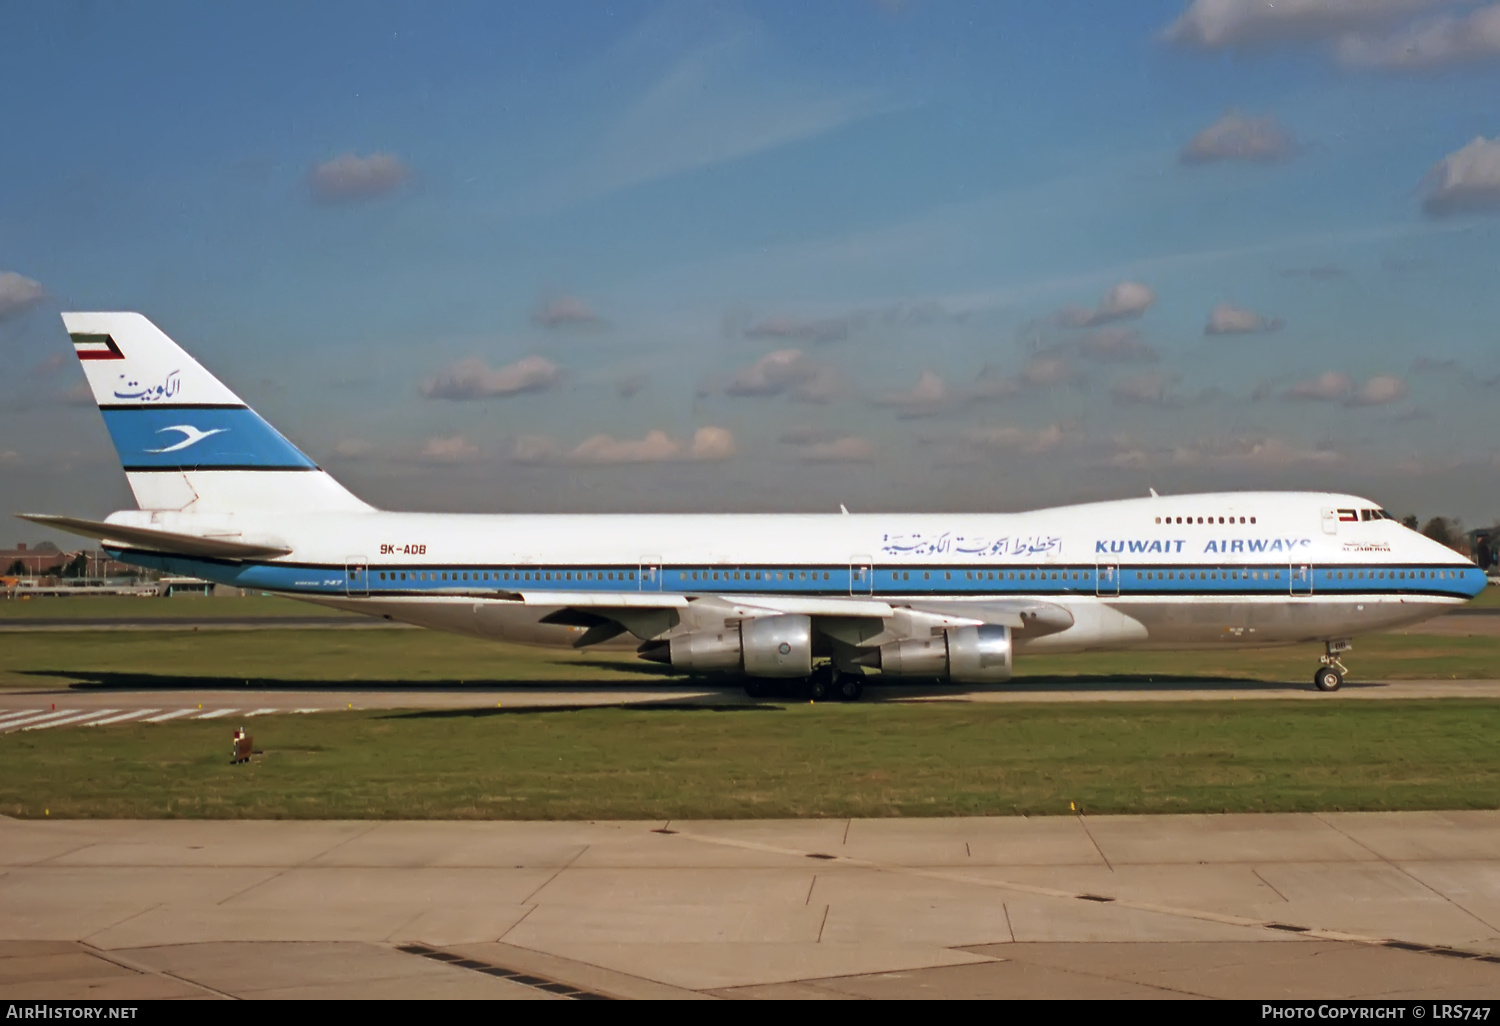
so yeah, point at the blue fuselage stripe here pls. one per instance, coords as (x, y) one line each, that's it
(841, 579)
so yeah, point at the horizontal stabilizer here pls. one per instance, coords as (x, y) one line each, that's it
(158, 541)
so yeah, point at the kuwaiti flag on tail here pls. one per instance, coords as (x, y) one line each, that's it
(96, 347)
(184, 438)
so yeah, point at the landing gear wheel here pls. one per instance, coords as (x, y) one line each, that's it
(850, 687)
(755, 688)
(817, 687)
(1328, 679)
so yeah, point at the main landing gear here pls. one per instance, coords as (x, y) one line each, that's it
(827, 683)
(1330, 675)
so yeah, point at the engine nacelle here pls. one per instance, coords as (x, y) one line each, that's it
(965, 655)
(764, 646)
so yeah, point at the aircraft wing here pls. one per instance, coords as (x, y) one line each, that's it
(652, 614)
(159, 541)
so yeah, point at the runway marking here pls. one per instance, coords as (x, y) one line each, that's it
(38, 719)
(123, 717)
(261, 712)
(19, 715)
(91, 714)
(307, 710)
(216, 714)
(164, 717)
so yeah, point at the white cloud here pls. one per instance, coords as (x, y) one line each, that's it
(1466, 181)
(656, 447)
(1379, 391)
(781, 372)
(707, 444)
(928, 397)
(1125, 300)
(450, 449)
(1330, 386)
(566, 311)
(713, 443)
(1146, 390)
(1219, 24)
(1236, 137)
(18, 293)
(474, 379)
(352, 177)
(1434, 43)
(1232, 320)
(1333, 386)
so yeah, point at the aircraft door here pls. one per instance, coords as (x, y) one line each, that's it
(356, 576)
(1330, 519)
(651, 573)
(1302, 579)
(861, 575)
(1107, 579)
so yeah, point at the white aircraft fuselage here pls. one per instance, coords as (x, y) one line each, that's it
(226, 498)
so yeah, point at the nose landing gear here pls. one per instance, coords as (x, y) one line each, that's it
(1330, 675)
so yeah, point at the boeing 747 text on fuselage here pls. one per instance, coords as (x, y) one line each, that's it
(812, 600)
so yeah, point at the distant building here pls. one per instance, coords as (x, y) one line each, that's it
(34, 561)
(47, 560)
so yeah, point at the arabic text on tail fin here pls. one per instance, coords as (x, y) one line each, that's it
(185, 440)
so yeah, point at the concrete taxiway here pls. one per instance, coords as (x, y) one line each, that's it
(1238, 906)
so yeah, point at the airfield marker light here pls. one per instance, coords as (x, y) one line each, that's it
(1072, 806)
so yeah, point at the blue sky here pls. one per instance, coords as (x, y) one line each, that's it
(743, 256)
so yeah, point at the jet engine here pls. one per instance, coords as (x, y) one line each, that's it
(965, 655)
(763, 646)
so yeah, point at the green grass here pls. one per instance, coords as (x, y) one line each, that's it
(130, 607)
(1489, 598)
(208, 658)
(205, 657)
(793, 760)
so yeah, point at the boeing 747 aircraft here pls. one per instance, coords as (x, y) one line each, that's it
(812, 600)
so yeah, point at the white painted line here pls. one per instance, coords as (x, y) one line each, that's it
(21, 715)
(164, 717)
(122, 718)
(91, 714)
(306, 710)
(261, 712)
(38, 719)
(215, 714)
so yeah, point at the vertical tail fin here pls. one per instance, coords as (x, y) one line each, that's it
(185, 440)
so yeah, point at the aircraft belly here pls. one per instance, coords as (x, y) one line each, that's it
(493, 621)
(1159, 624)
